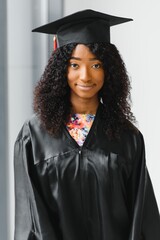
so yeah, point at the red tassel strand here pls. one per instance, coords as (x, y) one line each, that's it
(54, 42)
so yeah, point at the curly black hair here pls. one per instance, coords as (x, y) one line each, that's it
(52, 93)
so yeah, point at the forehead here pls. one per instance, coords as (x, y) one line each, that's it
(82, 51)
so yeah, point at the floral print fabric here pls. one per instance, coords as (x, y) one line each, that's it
(79, 126)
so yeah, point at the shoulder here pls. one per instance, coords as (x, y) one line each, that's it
(129, 136)
(132, 132)
(43, 145)
(133, 141)
(33, 139)
(29, 124)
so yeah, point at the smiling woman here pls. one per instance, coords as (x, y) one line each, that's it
(80, 168)
(54, 109)
(85, 78)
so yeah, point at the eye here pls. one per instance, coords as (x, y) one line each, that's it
(97, 66)
(73, 65)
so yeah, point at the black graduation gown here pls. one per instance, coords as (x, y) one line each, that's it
(101, 191)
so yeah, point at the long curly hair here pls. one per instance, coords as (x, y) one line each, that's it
(52, 93)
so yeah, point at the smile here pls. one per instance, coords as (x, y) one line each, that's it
(84, 87)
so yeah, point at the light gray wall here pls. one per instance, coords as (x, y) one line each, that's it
(20, 71)
(139, 46)
(27, 57)
(3, 120)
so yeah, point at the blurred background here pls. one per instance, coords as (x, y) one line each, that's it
(23, 56)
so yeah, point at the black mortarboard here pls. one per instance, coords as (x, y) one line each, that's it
(86, 26)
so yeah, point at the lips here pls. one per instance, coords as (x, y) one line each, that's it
(84, 87)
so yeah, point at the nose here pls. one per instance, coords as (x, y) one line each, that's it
(85, 74)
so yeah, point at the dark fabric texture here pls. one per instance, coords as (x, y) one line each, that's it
(100, 191)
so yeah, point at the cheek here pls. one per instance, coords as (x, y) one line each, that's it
(100, 78)
(71, 76)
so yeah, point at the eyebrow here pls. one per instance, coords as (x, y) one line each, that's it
(80, 59)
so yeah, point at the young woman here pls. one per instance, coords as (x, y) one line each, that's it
(80, 165)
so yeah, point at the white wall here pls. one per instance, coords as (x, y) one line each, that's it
(139, 45)
(21, 16)
(27, 55)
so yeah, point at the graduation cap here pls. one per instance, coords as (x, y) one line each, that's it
(87, 26)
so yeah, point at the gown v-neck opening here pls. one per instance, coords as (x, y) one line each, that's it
(88, 136)
(79, 126)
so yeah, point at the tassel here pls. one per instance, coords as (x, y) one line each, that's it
(54, 42)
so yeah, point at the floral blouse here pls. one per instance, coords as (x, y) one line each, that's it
(79, 126)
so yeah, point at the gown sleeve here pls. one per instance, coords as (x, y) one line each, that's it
(31, 217)
(144, 210)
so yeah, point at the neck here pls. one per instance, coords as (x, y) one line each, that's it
(85, 106)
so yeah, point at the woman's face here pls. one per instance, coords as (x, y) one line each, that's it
(85, 73)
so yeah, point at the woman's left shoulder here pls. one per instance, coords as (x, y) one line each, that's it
(132, 136)
(131, 129)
